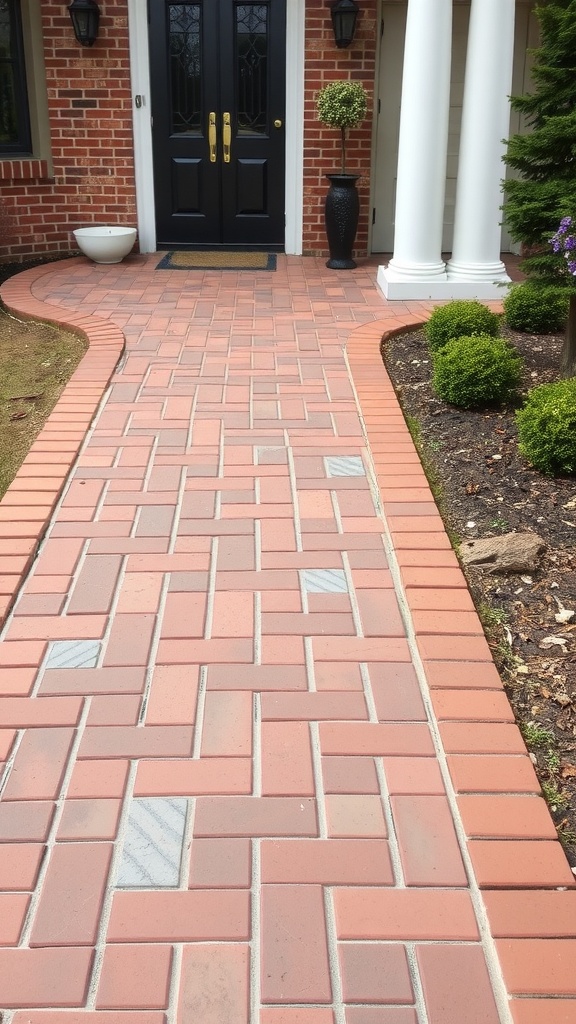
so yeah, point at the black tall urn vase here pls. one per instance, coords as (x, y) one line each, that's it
(341, 215)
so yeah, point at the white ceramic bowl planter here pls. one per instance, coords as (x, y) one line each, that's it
(105, 244)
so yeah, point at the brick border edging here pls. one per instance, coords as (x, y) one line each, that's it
(485, 752)
(27, 506)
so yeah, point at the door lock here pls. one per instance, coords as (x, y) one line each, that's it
(277, 123)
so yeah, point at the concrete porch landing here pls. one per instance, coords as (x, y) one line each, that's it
(258, 765)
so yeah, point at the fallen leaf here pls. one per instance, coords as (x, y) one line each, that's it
(18, 416)
(568, 771)
(526, 579)
(564, 616)
(552, 641)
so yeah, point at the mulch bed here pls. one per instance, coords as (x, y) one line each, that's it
(484, 487)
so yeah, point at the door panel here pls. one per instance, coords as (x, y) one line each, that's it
(186, 176)
(251, 187)
(223, 62)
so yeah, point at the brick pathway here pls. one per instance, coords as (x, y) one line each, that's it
(259, 766)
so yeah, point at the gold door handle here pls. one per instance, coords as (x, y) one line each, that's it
(277, 123)
(226, 137)
(212, 136)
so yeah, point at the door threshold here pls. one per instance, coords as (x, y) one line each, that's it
(214, 247)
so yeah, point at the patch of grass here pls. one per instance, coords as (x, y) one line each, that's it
(499, 524)
(36, 360)
(503, 656)
(490, 615)
(566, 835)
(414, 428)
(493, 618)
(536, 736)
(557, 800)
(424, 448)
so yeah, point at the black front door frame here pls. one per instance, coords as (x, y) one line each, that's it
(203, 202)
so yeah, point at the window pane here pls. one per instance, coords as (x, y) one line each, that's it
(14, 128)
(5, 35)
(185, 68)
(8, 115)
(252, 67)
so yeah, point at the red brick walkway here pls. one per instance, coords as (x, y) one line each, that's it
(259, 766)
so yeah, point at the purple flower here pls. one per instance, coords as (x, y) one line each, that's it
(564, 244)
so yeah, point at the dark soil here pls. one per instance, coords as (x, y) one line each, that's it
(484, 487)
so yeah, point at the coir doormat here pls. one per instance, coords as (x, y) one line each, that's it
(216, 260)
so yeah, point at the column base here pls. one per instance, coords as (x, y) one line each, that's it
(395, 287)
(400, 271)
(481, 272)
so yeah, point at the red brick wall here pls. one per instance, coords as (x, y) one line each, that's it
(90, 115)
(325, 63)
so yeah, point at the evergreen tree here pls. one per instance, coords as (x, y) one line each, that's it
(545, 158)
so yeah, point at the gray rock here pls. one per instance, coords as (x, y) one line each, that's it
(513, 552)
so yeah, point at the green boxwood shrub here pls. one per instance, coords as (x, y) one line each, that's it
(476, 371)
(461, 318)
(534, 310)
(547, 427)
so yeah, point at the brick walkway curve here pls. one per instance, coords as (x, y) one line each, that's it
(258, 766)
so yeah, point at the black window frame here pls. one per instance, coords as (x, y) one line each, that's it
(22, 146)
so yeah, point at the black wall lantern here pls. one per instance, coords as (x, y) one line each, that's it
(344, 15)
(85, 15)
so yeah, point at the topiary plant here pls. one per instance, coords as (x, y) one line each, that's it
(458, 319)
(476, 371)
(342, 105)
(547, 427)
(535, 310)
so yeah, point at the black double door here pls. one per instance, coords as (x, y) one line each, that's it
(218, 109)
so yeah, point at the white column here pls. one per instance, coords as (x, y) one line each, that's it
(423, 145)
(485, 122)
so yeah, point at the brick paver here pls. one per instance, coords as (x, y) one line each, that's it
(258, 766)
